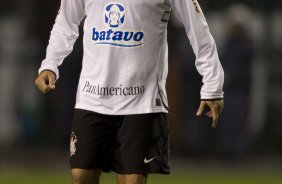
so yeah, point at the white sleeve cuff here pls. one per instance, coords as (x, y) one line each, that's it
(51, 68)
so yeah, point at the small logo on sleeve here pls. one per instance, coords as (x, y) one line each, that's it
(166, 16)
(158, 102)
(197, 7)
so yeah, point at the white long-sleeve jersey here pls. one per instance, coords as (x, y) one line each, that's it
(125, 59)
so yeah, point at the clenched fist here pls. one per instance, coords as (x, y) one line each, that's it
(45, 81)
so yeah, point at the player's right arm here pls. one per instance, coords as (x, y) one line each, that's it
(63, 36)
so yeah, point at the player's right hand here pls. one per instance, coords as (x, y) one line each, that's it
(45, 81)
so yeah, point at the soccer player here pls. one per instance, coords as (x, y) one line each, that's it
(120, 122)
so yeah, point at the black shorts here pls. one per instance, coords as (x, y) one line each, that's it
(127, 144)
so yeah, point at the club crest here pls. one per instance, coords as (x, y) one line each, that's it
(73, 140)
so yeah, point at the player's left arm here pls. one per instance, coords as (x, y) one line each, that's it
(207, 61)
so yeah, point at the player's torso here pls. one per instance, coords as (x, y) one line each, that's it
(124, 48)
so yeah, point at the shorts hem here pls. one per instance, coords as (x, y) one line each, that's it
(142, 172)
(91, 168)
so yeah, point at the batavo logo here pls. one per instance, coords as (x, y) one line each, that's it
(114, 18)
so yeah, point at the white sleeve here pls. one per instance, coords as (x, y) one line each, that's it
(204, 47)
(63, 35)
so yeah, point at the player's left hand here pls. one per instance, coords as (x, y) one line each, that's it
(216, 107)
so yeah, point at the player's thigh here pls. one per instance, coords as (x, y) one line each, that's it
(141, 145)
(131, 178)
(85, 176)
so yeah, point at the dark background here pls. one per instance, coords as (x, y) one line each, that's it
(249, 40)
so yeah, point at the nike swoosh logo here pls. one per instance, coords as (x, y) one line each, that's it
(149, 160)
